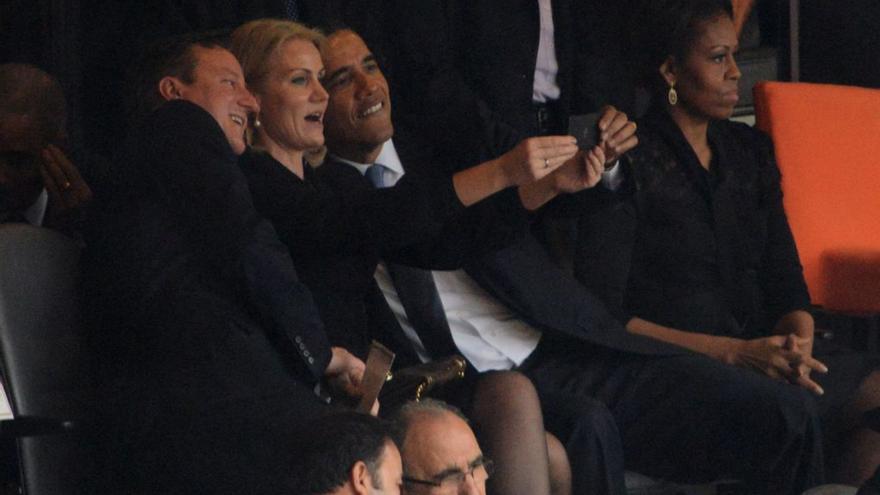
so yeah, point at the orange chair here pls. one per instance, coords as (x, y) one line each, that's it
(827, 141)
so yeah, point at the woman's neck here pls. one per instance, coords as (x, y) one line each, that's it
(695, 130)
(291, 159)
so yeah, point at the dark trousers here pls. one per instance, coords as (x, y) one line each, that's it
(684, 418)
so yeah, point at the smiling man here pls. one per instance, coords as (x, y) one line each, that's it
(210, 347)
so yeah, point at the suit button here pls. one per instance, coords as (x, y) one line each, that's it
(311, 360)
(306, 354)
(302, 346)
(298, 339)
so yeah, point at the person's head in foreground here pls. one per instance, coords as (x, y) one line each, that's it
(684, 52)
(346, 454)
(196, 68)
(439, 450)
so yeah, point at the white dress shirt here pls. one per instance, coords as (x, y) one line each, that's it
(545, 88)
(36, 213)
(486, 332)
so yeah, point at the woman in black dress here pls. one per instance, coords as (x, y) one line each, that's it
(697, 250)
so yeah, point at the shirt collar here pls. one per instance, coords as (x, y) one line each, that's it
(387, 157)
(36, 212)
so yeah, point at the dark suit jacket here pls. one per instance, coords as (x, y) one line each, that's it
(183, 268)
(337, 226)
(467, 66)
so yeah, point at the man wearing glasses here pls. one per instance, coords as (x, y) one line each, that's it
(440, 453)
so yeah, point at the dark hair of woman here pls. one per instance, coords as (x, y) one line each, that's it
(664, 28)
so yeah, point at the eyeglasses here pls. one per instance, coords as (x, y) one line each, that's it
(480, 470)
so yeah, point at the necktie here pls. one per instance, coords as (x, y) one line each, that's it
(418, 295)
(291, 10)
(376, 174)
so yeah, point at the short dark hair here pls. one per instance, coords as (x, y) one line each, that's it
(331, 445)
(28, 90)
(664, 28)
(172, 56)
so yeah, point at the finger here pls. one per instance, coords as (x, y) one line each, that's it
(619, 149)
(49, 184)
(626, 131)
(554, 141)
(374, 411)
(810, 385)
(55, 173)
(64, 163)
(596, 159)
(784, 368)
(614, 127)
(608, 114)
(815, 364)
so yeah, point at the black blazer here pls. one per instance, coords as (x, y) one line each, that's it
(337, 226)
(188, 283)
(471, 79)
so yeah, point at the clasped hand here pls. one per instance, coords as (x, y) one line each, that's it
(783, 357)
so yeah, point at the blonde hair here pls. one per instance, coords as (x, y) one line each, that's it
(255, 43)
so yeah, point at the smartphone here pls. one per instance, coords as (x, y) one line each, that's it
(585, 128)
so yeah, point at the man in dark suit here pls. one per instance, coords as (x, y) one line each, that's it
(208, 348)
(529, 315)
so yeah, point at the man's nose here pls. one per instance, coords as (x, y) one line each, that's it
(248, 102)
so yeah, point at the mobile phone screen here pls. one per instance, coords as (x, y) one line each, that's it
(585, 129)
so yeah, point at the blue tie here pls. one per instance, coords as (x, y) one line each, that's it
(291, 10)
(376, 174)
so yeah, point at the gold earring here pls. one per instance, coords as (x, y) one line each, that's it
(257, 123)
(672, 95)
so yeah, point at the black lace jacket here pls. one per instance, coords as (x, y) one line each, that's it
(708, 251)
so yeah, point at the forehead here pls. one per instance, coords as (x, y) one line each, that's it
(391, 463)
(215, 59)
(438, 442)
(718, 30)
(344, 48)
(296, 52)
(19, 133)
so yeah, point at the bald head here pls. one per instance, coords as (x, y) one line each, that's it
(438, 446)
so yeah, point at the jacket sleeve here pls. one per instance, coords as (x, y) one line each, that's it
(195, 173)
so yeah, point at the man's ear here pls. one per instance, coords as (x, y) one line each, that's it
(169, 88)
(361, 481)
(668, 71)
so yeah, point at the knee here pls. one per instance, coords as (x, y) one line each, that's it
(595, 420)
(560, 467)
(508, 393)
(506, 386)
(787, 412)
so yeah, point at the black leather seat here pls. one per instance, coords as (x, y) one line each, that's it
(44, 359)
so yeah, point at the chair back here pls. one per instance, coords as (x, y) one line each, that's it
(44, 361)
(827, 142)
